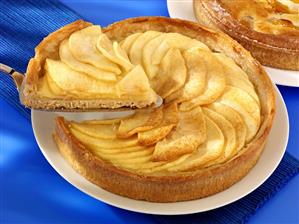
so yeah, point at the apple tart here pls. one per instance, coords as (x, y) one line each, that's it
(269, 29)
(79, 68)
(217, 113)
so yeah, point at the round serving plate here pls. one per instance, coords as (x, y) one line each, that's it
(183, 9)
(43, 126)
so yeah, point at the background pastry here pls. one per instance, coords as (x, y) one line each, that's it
(269, 29)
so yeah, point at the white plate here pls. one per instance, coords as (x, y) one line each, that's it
(183, 9)
(43, 125)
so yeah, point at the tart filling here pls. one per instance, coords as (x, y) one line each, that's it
(212, 110)
(210, 131)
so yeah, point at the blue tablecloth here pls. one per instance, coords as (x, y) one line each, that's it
(32, 192)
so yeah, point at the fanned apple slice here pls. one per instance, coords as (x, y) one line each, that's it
(184, 42)
(154, 135)
(104, 143)
(53, 87)
(172, 74)
(210, 150)
(196, 79)
(136, 50)
(127, 163)
(246, 106)
(160, 51)
(188, 135)
(135, 83)
(235, 119)
(107, 121)
(179, 41)
(141, 121)
(43, 87)
(82, 45)
(122, 156)
(170, 120)
(103, 131)
(229, 134)
(215, 84)
(234, 68)
(126, 44)
(67, 58)
(113, 52)
(235, 76)
(156, 44)
(75, 82)
(124, 150)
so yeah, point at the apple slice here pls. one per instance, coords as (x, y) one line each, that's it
(142, 120)
(136, 50)
(184, 43)
(106, 121)
(188, 135)
(229, 134)
(54, 89)
(136, 84)
(121, 156)
(176, 40)
(67, 58)
(113, 52)
(235, 76)
(215, 86)
(127, 43)
(156, 44)
(170, 120)
(82, 45)
(235, 119)
(210, 150)
(75, 82)
(160, 52)
(104, 143)
(43, 87)
(246, 106)
(123, 150)
(103, 131)
(196, 80)
(172, 74)
(232, 66)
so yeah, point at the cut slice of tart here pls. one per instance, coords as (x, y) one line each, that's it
(217, 113)
(269, 29)
(78, 68)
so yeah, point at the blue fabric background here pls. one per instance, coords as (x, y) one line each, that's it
(30, 190)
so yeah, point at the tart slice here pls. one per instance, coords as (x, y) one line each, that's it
(79, 68)
(269, 29)
(217, 113)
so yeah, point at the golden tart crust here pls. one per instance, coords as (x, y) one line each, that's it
(175, 186)
(279, 50)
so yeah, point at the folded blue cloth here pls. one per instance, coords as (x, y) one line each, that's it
(24, 23)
